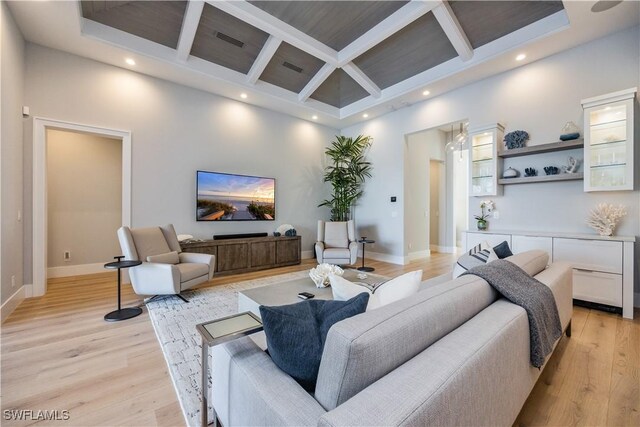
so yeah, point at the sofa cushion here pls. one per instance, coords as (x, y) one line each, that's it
(360, 350)
(502, 250)
(170, 236)
(336, 253)
(190, 271)
(168, 258)
(478, 255)
(390, 291)
(532, 262)
(149, 241)
(336, 235)
(296, 333)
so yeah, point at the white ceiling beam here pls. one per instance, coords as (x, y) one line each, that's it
(268, 23)
(261, 62)
(449, 23)
(315, 82)
(389, 26)
(189, 28)
(362, 79)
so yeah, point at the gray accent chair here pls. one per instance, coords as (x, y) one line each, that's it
(165, 269)
(336, 243)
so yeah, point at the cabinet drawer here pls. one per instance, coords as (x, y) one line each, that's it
(604, 288)
(474, 239)
(589, 254)
(530, 243)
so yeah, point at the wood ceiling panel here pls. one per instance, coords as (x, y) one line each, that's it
(334, 23)
(419, 46)
(486, 21)
(227, 40)
(339, 90)
(159, 22)
(291, 68)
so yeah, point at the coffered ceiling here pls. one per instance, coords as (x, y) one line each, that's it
(336, 59)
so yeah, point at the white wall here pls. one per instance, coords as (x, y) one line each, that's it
(84, 197)
(12, 87)
(539, 97)
(175, 131)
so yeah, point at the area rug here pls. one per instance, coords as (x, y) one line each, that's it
(175, 324)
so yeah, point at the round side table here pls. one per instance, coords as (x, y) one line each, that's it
(364, 242)
(122, 313)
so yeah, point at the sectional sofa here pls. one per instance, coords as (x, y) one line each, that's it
(455, 354)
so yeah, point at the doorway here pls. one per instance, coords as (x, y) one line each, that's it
(74, 136)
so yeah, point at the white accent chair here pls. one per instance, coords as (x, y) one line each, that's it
(165, 269)
(336, 243)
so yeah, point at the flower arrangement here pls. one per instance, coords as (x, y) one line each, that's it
(320, 274)
(482, 219)
(605, 217)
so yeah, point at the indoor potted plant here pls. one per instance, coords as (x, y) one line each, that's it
(482, 219)
(346, 174)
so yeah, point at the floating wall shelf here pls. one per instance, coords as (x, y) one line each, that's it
(543, 148)
(543, 178)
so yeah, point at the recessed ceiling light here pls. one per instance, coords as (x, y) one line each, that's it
(602, 5)
(426, 92)
(243, 95)
(130, 61)
(365, 115)
(521, 57)
(315, 117)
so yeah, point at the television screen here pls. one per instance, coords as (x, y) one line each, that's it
(226, 197)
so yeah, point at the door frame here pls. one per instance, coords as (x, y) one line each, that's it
(40, 126)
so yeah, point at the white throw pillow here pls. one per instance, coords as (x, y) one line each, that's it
(390, 291)
(481, 254)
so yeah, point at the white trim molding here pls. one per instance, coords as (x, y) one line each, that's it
(412, 256)
(40, 126)
(75, 270)
(307, 255)
(392, 259)
(12, 303)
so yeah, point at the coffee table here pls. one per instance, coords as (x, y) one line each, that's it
(287, 292)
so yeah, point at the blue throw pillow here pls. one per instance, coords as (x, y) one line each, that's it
(503, 250)
(296, 333)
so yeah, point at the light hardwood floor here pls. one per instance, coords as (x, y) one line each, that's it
(59, 354)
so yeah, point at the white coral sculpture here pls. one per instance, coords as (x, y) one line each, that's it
(320, 274)
(605, 217)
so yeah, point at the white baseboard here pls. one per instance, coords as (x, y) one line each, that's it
(393, 259)
(11, 304)
(307, 254)
(443, 249)
(419, 254)
(75, 270)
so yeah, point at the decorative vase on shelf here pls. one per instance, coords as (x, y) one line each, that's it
(482, 224)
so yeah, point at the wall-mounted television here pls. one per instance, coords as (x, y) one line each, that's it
(228, 197)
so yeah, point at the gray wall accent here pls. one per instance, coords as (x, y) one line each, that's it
(276, 73)
(177, 130)
(539, 97)
(84, 197)
(339, 90)
(12, 90)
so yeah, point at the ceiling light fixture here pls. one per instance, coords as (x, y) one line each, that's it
(243, 95)
(130, 61)
(521, 57)
(603, 5)
(365, 115)
(315, 117)
(426, 92)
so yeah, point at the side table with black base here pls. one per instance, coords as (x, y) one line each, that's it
(216, 332)
(122, 313)
(364, 241)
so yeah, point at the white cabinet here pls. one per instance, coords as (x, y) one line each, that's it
(530, 243)
(484, 163)
(608, 141)
(603, 267)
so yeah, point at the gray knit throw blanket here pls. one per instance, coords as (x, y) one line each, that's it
(532, 295)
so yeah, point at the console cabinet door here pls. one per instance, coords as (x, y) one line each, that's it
(263, 254)
(288, 251)
(604, 288)
(232, 257)
(597, 255)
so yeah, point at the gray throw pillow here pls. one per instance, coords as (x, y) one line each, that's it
(296, 333)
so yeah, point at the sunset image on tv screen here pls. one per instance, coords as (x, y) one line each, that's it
(234, 197)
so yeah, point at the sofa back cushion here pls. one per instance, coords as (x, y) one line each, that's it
(362, 349)
(336, 235)
(532, 262)
(149, 241)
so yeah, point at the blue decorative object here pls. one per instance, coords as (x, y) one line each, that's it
(276, 234)
(569, 131)
(551, 170)
(516, 139)
(296, 333)
(291, 232)
(569, 136)
(530, 172)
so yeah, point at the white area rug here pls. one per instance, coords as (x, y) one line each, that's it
(175, 324)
